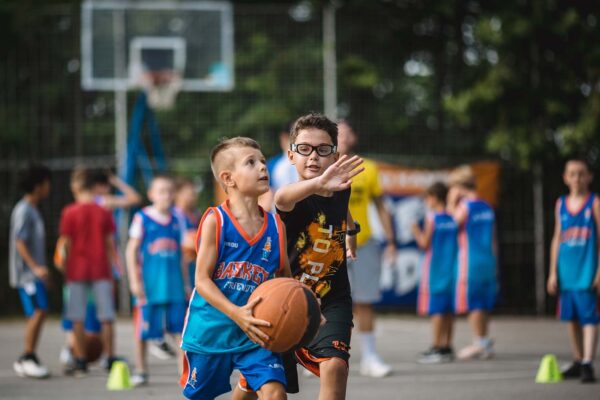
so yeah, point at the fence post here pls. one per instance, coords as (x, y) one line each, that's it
(538, 228)
(329, 62)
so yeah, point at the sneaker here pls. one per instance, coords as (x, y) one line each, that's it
(475, 351)
(29, 366)
(587, 373)
(436, 356)
(447, 354)
(374, 367)
(431, 356)
(572, 370)
(78, 369)
(139, 379)
(66, 356)
(161, 350)
(106, 363)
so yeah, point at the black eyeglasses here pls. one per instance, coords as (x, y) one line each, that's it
(305, 149)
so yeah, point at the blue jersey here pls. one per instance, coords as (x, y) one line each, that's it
(189, 222)
(476, 259)
(578, 252)
(160, 260)
(243, 263)
(439, 265)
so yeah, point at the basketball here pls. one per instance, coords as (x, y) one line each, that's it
(93, 347)
(293, 311)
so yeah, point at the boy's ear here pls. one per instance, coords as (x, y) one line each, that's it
(290, 155)
(336, 156)
(226, 179)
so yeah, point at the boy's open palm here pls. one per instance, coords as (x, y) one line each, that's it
(250, 325)
(339, 174)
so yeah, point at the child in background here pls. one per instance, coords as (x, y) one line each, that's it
(476, 281)
(436, 291)
(87, 242)
(240, 246)
(27, 265)
(186, 202)
(157, 275)
(102, 184)
(574, 272)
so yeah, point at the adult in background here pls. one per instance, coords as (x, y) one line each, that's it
(27, 265)
(281, 171)
(364, 272)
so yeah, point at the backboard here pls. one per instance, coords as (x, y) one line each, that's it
(121, 40)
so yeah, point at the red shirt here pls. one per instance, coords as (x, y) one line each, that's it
(87, 225)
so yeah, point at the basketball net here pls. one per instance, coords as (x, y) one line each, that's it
(161, 88)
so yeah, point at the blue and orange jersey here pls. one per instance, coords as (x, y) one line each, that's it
(243, 263)
(476, 258)
(578, 249)
(160, 260)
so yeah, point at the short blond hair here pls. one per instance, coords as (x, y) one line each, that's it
(462, 176)
(226, 144)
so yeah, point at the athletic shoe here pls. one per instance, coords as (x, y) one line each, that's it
(475, 351)
(162, 350)
(436, 356)
(66, 356)
(28, 366)
(374, 367)
(587, 373)
(78, 369)
(107, 362)
(572, 370)
(139, 379)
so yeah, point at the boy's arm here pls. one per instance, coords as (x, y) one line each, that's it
(386, 222)
(133, 266)
(41, 271)
(335, 178)
(205, 265)
(423, 236)
(552, 285)
(596, 211)
(350, 240)
(129, 198)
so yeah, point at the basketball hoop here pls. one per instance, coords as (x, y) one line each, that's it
(161, 88)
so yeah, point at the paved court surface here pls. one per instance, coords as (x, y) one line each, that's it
(520, 345)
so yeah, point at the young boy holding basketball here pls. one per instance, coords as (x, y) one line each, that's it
(158, 277)
(476, 282)
(239, 246)
(436, 291)
(321, 232)
(574, 272)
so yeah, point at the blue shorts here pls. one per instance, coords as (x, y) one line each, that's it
(91, 323)
(151, 321)
(579, 305)
(34, 297)
(476, 298)
(436, 303)
(207, 376)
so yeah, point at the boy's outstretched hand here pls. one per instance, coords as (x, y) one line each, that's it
(250, 325)
(339, 174)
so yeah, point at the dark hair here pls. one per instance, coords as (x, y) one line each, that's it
(438, 190)
(81, 178)
(99, 177)
(33, 176)
(181, 182)
(582, 160)
(316, 121)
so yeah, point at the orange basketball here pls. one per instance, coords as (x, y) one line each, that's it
(93, 347)
(291, 308)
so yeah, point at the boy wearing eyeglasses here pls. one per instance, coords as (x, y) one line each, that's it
(321, 234)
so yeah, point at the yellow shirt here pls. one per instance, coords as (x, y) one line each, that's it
(365, 187)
